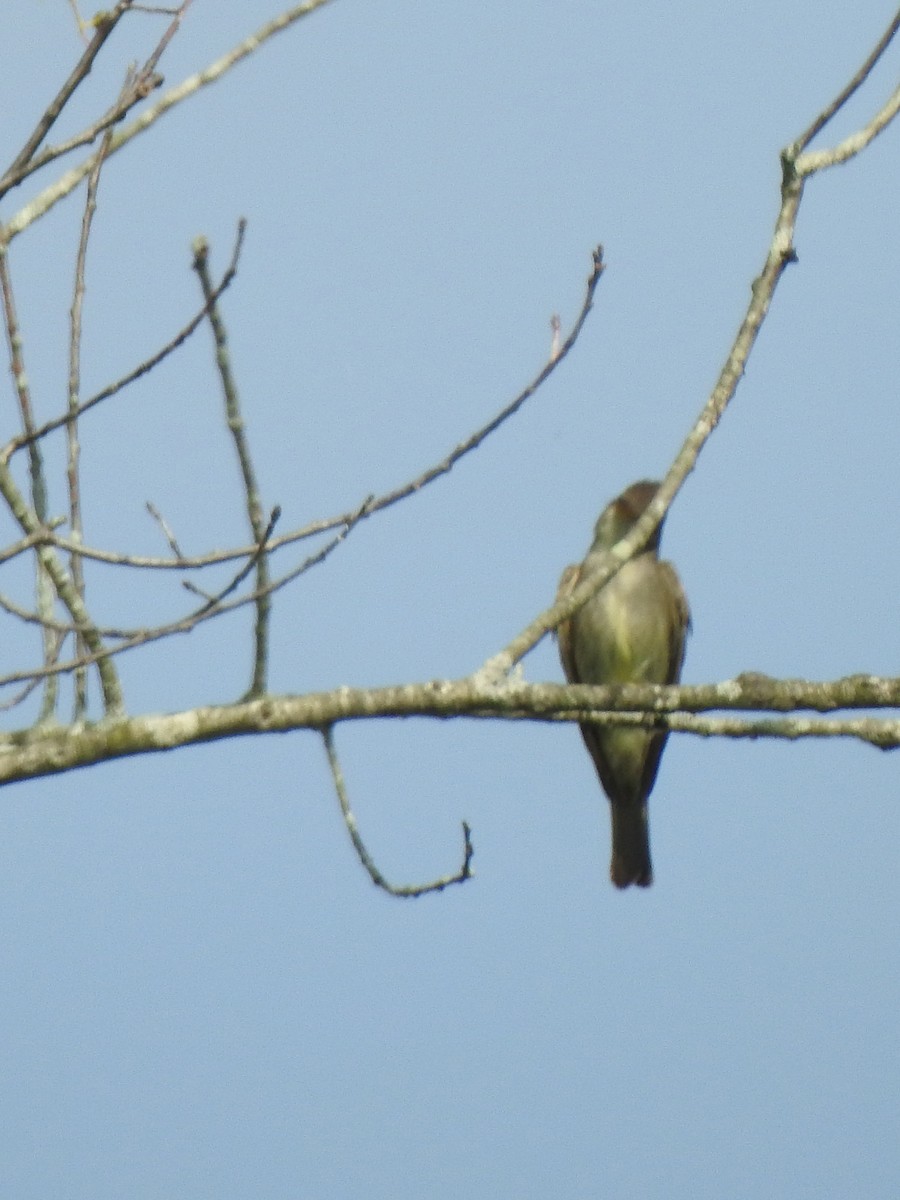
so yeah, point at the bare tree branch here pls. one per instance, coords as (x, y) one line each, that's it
(43, 586)
(27, 754)
(236, 428)
(53, 645)
(20, 164)
(62, 582)
(72, 443)
(213, 606)
(143, 368)
(853, 86)
(50, 196)
(143, 81)
(405, 891)
(166, 529)
(175, 24)
(807, 164)
(370, 506)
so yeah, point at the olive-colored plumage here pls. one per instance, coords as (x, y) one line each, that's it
(631, 631)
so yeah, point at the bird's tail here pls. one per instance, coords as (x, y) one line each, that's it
(630, 846)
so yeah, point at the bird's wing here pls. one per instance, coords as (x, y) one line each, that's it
(567, 583)
(679, 622)
(592, 735)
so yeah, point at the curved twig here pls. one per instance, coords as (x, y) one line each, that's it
(405, 891)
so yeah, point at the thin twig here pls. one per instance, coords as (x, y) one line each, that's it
(29, 687)
(404, 891)
(166, 529)
(57, 191)
(43, 588)
(143, 368)
(253, 561)
(73, 448)
(213, 606)
(143, 82)
(82, 25)
(30, 541)
(855, 83)
(14, 173)
(818, 160)
(30, 523)
(143, 86)
(346, 522)
(177, 17)
(474, 440)
(235, 422)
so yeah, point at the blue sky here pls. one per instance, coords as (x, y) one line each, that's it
(203, 995)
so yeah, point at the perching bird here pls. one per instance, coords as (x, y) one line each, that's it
(631, 631)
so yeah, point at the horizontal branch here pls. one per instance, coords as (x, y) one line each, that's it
(31, 753)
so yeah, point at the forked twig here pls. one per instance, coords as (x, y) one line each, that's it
(20, 166)
(57, 191)
(27, 439)
(855, 83)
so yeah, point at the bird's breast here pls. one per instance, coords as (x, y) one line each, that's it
(623, 632)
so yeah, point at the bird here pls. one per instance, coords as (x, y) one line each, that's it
(633, 630)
